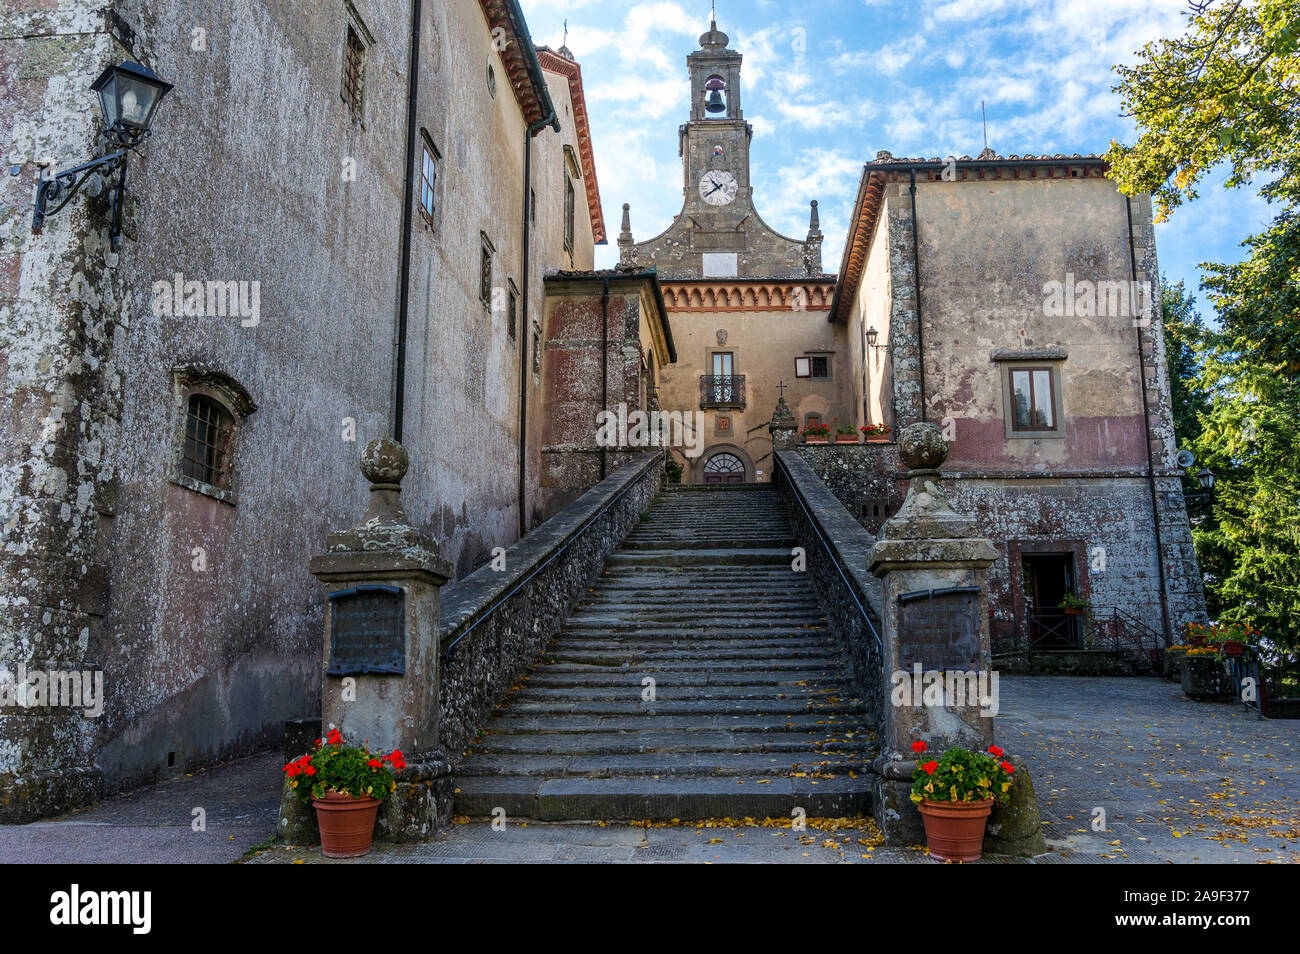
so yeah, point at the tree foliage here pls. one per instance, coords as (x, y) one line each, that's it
(1228, 91)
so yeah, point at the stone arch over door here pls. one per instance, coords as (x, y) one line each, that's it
(701, 462)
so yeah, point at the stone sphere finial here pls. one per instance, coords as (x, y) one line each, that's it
(922, 447)
(384, 461)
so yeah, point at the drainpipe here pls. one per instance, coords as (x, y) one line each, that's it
(548, 118)
(604, 368)
(398, 397)
(1146, 428)
(916, 287)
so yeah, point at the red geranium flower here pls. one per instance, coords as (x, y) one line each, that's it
(930, 767)
(310, 770)
(1008, 767)
(396, 759)
(335, 737)
(995, 751)
(919, 746)
(374, 763)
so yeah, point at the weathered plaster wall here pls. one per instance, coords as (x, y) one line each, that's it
(764, 345)
(201, 611)
(61, 309)
(989, 243)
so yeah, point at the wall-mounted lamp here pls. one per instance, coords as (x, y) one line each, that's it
(1204, 478)
(872, 337)
(128, 98)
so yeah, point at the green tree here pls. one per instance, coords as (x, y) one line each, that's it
(1228, 92)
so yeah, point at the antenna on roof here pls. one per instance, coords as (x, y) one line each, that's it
(713, 12)
(986, 124)
(566, 31)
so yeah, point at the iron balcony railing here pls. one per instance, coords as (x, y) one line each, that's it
(722, 390)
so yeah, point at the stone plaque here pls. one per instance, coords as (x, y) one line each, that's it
(939, 629)
(368, 631)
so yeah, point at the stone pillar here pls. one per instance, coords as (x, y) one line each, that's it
(783, 427)
(934, 610)
(381, 649)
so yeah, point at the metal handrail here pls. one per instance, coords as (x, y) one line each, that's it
(496, 601)
(830, 554)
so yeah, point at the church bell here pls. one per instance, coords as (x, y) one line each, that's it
(715, 103)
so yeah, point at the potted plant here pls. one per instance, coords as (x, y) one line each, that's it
(816, 433)
(844, 435)
(876, 433)
(1073, 605)
(345, 784)
(955, 794)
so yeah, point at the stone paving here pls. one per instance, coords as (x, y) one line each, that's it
(1180, 781)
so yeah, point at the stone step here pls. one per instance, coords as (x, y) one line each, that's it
(659, 799)
(669, 692)
(665, 639)
(691, 557)
(802, 744)
(796, 678)
(678, 657)
(511, 723)
(704, 764)
(791, 623)
(631, 704)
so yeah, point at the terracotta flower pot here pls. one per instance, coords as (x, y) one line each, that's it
(1072, 610)
(814, 440)
(347, 824)
(872, 439)
(1233, 648)
(845, 439)
(955, 830)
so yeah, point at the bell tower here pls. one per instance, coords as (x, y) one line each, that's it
(719, 234)
(715, 142)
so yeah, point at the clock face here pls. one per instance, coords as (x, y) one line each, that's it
(718, 187)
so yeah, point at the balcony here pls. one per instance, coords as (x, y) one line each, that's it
(722, 390)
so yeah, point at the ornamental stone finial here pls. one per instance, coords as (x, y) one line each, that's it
(384, 463)
(922, 447)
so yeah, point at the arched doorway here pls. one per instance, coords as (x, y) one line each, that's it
(724, 468)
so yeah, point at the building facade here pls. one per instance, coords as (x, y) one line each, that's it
(184, 413)
(748, 305)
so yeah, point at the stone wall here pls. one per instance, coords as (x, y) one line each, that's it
(1104, 521)
(494, 624)
(837, 549)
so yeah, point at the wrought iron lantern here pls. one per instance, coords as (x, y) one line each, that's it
(129, 95)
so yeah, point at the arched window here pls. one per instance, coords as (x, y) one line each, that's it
(724, 468)
(211, 407)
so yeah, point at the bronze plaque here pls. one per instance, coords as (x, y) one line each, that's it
(939, 629)
(368, 631)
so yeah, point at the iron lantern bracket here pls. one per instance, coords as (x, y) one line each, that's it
(56, 191)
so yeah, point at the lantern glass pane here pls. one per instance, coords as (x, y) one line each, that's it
(108, 100)
(137, 100)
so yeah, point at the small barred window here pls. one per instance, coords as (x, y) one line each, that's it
(208, 427)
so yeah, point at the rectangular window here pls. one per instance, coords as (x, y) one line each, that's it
(537, 349)
(485, 271)
(1033, 399)
(428, 180)
(812, 366)
(512, 309)
(532, 206)
(354, 71)
(570, 202)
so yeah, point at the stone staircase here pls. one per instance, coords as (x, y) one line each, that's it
(753, 712)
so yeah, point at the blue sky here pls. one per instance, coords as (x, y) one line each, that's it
(828, 83)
